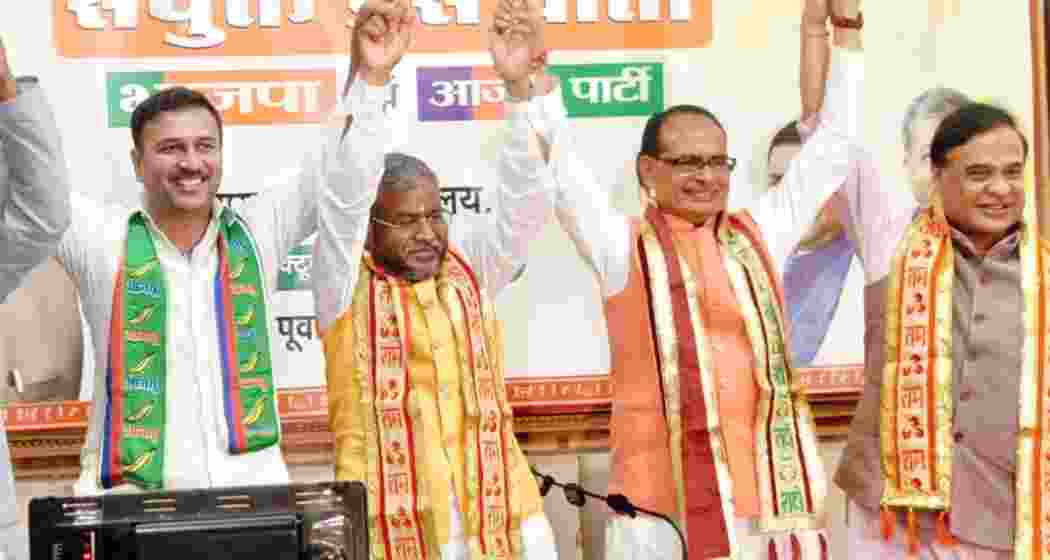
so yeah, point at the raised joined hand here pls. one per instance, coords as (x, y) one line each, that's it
(815, 13)
(516, 42)
(8, 89)
(383, 33)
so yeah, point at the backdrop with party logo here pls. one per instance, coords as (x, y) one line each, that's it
(275, 68)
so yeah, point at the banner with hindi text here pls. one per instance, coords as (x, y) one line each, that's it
(276, 67)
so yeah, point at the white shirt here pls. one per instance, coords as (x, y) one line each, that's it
(196, 454)
(496, 246)
(34, 213)
(602, 235)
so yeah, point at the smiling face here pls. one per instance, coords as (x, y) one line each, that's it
(179, 161)
(982, 184)
(693, 196)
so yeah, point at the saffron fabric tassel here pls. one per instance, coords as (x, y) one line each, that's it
(888, 520)
(913, 533)
(944, 534)
(796, 548)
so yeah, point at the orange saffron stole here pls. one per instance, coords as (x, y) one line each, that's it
(401, 530)
(916, 418)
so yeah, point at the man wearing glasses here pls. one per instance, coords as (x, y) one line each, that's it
(708, 425)
(413, 350)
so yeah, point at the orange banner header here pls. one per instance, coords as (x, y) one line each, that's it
(196, 28)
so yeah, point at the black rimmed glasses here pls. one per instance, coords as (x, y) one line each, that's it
(695, 165)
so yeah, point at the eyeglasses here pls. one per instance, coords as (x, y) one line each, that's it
(438, 219)
(695, 165)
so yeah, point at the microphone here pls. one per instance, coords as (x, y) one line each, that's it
(577, 496)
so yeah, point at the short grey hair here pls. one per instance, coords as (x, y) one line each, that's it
(935, 102)
(401, 171)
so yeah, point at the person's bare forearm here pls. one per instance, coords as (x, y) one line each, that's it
(813, 66)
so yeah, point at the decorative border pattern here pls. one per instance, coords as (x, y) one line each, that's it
(551, 415)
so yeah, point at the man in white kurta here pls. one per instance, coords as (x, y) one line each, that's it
(196, 450)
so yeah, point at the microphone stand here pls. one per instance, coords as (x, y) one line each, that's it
(577, 496)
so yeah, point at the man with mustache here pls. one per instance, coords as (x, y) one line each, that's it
(35, 214)
(944, 447)
(413, 349)
(176, 291)
(708, 424)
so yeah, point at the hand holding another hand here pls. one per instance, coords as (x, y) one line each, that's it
(383, 33)
(8, 88)
(516, 43)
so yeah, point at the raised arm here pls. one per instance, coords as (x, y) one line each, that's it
(813, 70)
(353, 168)
(352, 162)
(601, 234)
(497, 245)
(35, 209)
(829, 155)
(285, 212)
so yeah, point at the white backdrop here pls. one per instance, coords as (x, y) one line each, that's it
(747, 74)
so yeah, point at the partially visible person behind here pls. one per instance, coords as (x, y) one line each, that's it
(921, 119)
(34, 214)
(819, 273)
(413, 348)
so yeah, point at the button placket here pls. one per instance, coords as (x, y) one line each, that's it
(199, 307)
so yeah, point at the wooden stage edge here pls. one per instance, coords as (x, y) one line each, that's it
(551, 415)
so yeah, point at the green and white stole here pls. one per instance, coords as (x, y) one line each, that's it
(133, 443)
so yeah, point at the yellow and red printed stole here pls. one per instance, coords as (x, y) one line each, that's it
(916, 418)
(381, 319)
(790, 472)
